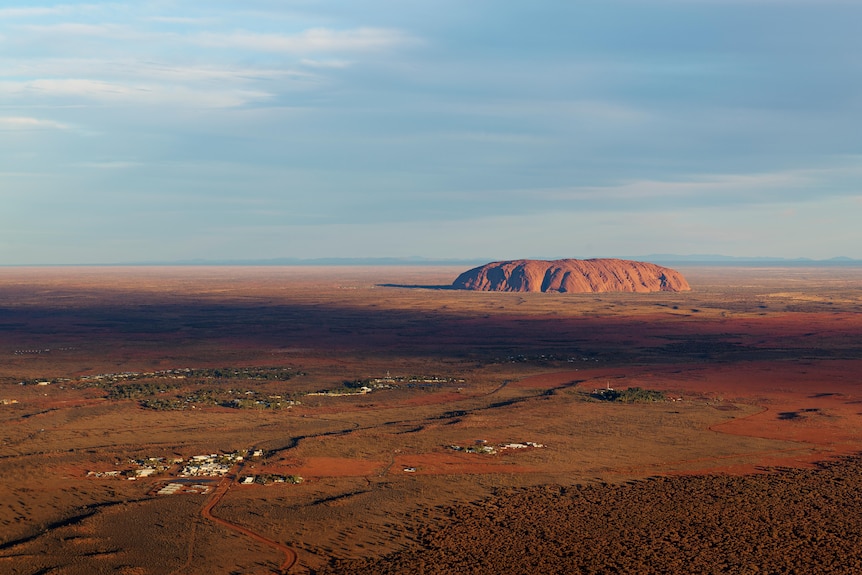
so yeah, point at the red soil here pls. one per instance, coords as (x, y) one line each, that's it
(289, 554)
(816, 403)
(456, 464)
(315, 467)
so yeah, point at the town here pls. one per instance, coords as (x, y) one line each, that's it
(196, 474)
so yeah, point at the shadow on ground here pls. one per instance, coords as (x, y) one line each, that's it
(414, 286)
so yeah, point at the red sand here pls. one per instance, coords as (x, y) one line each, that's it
(815, 403)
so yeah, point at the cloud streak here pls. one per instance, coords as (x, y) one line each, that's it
(313, 41)
(39, 11)
(80, 90)
(14, 123)
(710, 188)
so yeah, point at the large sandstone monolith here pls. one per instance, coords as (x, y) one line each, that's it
(569, 275)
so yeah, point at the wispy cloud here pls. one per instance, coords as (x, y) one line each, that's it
(26, 123)
(107, 31)
(489, 137)
(80, 87)
(594, 111)
(310, 41)
(108, 165)
(35, 11)
(714, 185)
(129, 81)
(144, 70)
(325, 63)
(708, 189)
(181, 20)
(187, 73)
(138, 94)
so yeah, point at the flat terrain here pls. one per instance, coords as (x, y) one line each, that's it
(387, 422)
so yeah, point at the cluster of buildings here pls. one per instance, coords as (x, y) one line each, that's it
(482, 446)
(208, 465)
(268, 478)
(524, 445)
(36, 351)
(363, 386)
(139, 468)
(212, 465)
(360, 391)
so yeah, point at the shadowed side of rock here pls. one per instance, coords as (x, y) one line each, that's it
(572, 276)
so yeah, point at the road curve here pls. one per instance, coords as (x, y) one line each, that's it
(289, 554)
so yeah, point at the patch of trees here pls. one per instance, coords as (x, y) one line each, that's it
(107, 380)
(137, 390)
(257, 402)
(163, 404)
(245, 373)
(208, 397)
(267, 478)
(357, 383)
(212, 397)
(630, 395)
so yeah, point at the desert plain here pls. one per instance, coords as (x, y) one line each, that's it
(370, 420)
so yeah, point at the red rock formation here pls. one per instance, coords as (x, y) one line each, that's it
(594, 275)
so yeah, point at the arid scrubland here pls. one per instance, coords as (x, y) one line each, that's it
(388, 423)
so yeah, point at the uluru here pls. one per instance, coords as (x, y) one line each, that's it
(572, 276)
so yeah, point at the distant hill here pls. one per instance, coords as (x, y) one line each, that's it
(743, 261)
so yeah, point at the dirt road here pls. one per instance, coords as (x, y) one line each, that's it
(223, 487)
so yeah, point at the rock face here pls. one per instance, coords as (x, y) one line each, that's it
(567, 276)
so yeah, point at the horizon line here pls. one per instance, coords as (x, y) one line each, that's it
(691, 259)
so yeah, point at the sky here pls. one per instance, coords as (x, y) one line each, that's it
(160, 130)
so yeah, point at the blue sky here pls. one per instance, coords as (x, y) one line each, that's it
(171, 130)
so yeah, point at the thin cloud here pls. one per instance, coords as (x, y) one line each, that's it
(36, 11)
(489, 137)
(181, 20)
(149, 70)
(80, 87)
(310, 41)
(113, 165)
(10, 123)
(709, 189)
(137, 94)
(208, 73)
(594, 111)
(107, 31)
(325, 63)
(700, 190)
(712, 185)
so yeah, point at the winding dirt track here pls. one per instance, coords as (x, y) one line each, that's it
(225, 484)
